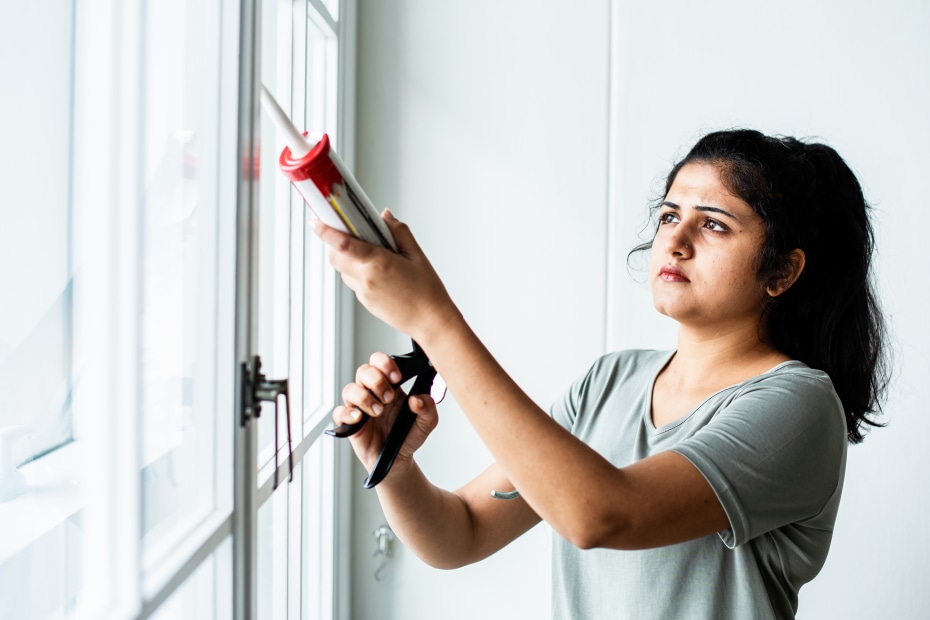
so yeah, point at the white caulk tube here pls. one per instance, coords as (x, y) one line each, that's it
(325, 183)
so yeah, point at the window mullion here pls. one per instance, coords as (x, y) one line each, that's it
(124, 481)
(245, 589)
(342, 458)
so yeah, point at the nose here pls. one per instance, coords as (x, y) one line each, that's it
(678, 243)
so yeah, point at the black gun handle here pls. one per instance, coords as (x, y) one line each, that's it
(399, 430)
(347, 430)
(395, 439)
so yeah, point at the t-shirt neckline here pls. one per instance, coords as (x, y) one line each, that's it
(647, 413)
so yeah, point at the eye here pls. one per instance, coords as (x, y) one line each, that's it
(714, 225)
(668, 217)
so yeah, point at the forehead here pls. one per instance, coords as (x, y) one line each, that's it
(699, 183)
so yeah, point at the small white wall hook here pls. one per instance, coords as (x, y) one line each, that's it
(383, 574)
(385, 537)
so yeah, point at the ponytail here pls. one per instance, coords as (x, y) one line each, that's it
(830, 319)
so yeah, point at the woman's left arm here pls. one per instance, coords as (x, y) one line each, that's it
(660, 500)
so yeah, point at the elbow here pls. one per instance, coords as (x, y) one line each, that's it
(596, 531)
(443, 563)
(585, 539)
(449, 562)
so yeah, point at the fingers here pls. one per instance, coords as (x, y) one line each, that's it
(384, 363)
(342, 245)
(373, 393)
(357, 395)
(373, 388)
(344, 414)
(332, 237)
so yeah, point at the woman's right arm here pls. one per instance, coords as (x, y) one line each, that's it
(452, 529)
(444, 529)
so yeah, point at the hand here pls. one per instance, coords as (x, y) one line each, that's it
(401, 289)
(373, 393)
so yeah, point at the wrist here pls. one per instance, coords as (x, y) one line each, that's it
(402, 471)
(434, 326)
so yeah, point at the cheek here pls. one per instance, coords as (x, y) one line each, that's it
(655, 260)
(735, 275)
(742, 281)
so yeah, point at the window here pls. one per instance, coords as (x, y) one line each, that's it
(168, 252)
(35, 320)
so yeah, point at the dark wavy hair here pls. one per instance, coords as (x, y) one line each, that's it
(808, 198)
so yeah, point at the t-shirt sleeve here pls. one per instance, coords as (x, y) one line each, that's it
(773, 454)
(564, 410)
(588, 393)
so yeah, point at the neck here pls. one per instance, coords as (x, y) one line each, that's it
(727, 355)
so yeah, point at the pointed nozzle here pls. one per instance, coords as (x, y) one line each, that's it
(292, 137)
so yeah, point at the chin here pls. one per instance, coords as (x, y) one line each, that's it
(663, 309)
(673, 311)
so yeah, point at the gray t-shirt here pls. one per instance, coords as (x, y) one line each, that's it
(773, 448)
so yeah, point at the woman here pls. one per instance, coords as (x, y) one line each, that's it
(696, 483)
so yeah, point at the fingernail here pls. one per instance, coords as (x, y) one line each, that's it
(355, 414)
(388, 215)
(315, 226)
(377, 408)
(388, 396)
(417, 401)
(395, 377)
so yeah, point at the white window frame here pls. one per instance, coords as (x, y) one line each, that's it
(115, 583)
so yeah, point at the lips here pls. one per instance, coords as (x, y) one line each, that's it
(671, 273)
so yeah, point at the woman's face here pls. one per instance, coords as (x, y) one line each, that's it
(705, 254)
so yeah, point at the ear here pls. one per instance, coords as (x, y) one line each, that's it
(793, 268)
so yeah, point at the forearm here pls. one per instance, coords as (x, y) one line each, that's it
(433, 523)
(560, 477)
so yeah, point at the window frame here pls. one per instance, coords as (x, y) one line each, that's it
(120, 586)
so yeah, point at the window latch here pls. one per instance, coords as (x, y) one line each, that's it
(256, 389)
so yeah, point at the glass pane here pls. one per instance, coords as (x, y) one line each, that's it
(207, 593)
(180, 72)
(35, 239)
(44, 579)
(295, 541)
(333, 7)
(322, 92)
(40, 548)
(319, 330)
(274, 233)
(273, 555)
(320, 279)
(317, 531)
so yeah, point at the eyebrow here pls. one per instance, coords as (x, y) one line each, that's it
(705, 208)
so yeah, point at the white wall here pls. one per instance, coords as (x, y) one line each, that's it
(484, 125)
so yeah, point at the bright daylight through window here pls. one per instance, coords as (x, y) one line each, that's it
(131, 485)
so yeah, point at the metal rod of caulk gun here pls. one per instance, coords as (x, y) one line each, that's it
(292, 136)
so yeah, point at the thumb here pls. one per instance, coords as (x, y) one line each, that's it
(406, 243)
